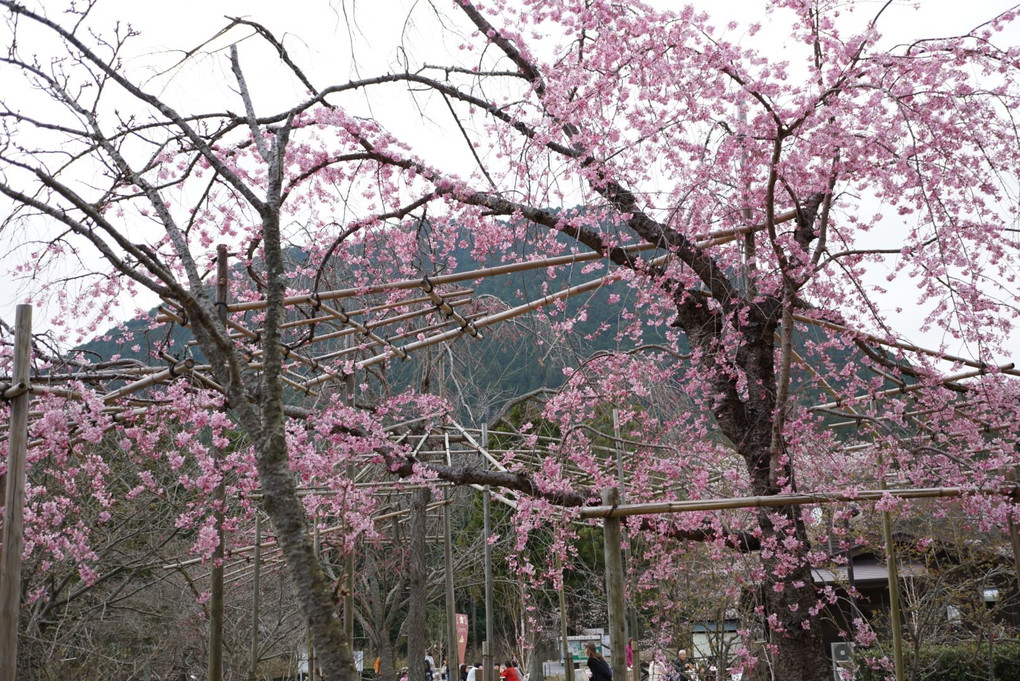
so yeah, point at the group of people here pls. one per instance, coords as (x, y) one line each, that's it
(508, 672)
(680, 669)
(684, 669)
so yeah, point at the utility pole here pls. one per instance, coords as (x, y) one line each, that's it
(349, 383)
(256, 595)
(632, 620)
(453, 654)
(486, 531)
(218, 500)
(568, 659)
(14, 495)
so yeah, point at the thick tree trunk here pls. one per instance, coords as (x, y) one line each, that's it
(380, 616)
(333, 652)
(334, 656)
(387, 661)
(800, 651)
(747, 419)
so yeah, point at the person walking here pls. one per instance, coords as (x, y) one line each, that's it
(600, 669)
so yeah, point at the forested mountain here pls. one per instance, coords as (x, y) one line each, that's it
(512, 359)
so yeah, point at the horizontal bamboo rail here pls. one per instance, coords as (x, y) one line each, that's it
(900, 345)
(778, 500)
(489, 320)
(375, 324)
(403, 284)
(914, 387)
(443, 306)
(456, 294)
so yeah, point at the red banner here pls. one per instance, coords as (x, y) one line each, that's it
(462, 629)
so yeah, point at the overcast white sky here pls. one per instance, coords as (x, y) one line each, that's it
(317, 37)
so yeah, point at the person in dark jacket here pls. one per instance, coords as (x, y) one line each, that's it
(683, 668)
(600, 669)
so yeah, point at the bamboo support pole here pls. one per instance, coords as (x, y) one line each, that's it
(454, 300)
(169, 372)
(133, 372)
(631, 607)
(396, 319)
(568, 659)
(362, 329)
(14, 498)
(159, 376)
(447, 310)
(453, 661)
(945, 380)
(832, 391)
(253, 664)
(273, 564)
(327, 373)
(245, 565)
(900, 345)
(349, 390)
(612, 544)
(119, 414)
(480, 448)
(312, 662)
(729, 234)
(251, 335)
(601, 434)
(800, 499)
(894, 582)
(390, 340)
(1014, 542)
(216, 589)
(456, 277)
(9, 392)
(407, 302)
(489, 614)
(724, 236)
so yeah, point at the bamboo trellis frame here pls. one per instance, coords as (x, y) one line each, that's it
(313, 369)
(463, 325)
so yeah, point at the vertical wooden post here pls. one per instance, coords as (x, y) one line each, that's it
(349, 382)
(894, 596)
(349, 597)
(1014, 540)
(1013, 476)
(612, 539)
(486, 531)
(256, 595)
(453, 656)
(218, 500)
(632, 624)
(14, 497)
(568, 659)
(894, 581)
(313, 674)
